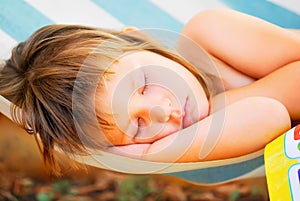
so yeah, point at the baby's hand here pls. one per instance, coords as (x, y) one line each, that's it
(136, 151)
(163, 150)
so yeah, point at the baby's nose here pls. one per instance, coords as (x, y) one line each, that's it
(162, 111)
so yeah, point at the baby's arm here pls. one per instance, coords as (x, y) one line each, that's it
(255, 48)
(241, 128)
(246, 43)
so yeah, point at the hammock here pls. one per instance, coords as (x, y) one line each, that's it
(18, 19)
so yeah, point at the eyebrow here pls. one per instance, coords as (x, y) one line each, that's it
(134, 82)
(130, 128)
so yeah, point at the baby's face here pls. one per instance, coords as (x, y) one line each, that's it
(149, 97)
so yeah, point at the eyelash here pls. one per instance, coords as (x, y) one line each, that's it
(140, 125)
(145, 88)
(140, 121)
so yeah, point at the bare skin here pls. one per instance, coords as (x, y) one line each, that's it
(260, 65)
(256, 49)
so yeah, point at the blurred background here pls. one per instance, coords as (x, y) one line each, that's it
(22, 174)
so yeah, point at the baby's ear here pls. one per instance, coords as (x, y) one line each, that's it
(128, 29)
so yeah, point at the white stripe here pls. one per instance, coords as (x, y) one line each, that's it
(76, 12)
(6, 44)
(292, 5)
(5, 107)
(183, 10)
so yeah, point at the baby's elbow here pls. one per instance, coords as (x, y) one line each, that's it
(276, 114)
(280, 112)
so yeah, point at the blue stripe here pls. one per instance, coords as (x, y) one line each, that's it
(140, 13)
(20, 20)
(219, 174)
(267, 11)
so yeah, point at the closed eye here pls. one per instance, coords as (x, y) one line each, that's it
(141, 122)
(146, 83)
(140, 125)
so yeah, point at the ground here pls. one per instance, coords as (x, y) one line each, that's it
(94, 184)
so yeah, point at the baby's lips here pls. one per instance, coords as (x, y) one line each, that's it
(186, 121)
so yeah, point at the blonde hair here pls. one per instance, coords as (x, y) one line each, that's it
(39, 79)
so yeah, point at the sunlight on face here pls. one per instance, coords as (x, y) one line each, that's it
(150, 97)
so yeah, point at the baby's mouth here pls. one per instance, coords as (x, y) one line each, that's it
(186, 121)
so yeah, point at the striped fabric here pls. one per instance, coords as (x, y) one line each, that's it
(18, 19)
